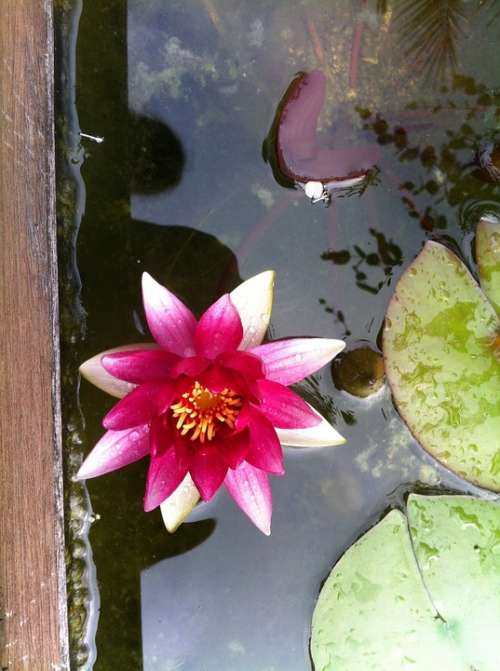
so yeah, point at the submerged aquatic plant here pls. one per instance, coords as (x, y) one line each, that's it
(298, 155)
(208, 402)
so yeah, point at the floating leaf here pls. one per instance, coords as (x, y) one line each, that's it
(441, 358)
(385, 608)
(457, 544)
(488, 256)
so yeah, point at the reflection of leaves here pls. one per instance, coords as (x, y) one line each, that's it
(340, 258)
(495, 7)
(449, 174)
(387, 256)
(338, 315)
(309, 389)
(429, 30)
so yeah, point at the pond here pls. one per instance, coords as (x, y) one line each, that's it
(184, 94)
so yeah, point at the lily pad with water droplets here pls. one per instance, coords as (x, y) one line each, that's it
(420, 594)
(488, 256)
(439, 349)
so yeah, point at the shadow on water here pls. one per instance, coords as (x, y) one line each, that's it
(157, 155)
(178, 188)
(139, 155)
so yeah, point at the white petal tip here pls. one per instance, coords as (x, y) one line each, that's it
(85, 472)
(254, 299)
(321, 435)
(177, 507)
(149, 283)
(336, 346)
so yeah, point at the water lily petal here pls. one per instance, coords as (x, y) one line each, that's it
(248, 365)
(254, 301)
(141, 365)
(289, 361)
(164, 476)
(140, 406)
(219, 329)
(177, 506)
(192, 366)
(93, 370)
(208, 470)
(171, 323)
(250, 488)
(321, 435)
(265, 450)
(283, 407)
(235, 447)
(115, 450)
(161, 436)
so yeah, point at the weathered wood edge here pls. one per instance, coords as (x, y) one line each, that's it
(32, 571)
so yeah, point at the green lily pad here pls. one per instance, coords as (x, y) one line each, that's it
(488, 256)
(457, 545)
(442, 366)
(420, 596)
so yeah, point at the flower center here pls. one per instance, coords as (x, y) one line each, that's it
(201, 412)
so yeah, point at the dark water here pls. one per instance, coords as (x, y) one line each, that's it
(184, 94)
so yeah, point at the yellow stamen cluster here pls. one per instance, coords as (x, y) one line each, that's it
(201, 411)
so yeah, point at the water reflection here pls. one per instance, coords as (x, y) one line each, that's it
(431, 32)
(158, 157)
(183, 93)
(141, 154)
(386, 256)
(448, 173)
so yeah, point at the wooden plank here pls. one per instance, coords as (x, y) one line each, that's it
(32, 578)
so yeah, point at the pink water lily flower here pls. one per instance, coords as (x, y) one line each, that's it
(208, 402)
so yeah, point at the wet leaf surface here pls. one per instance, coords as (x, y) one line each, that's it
(419, 593)
(439, 349)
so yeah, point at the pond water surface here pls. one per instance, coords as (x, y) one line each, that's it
(184, 94)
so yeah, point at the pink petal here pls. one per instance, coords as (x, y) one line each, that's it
(219, 329)
(244, 363)
(115, 450)
(235, 447)
(192, 366)
(216, 379)
(140, 406)
(283, 407)
(250, 488)
(207, 470)
(164, 476)
(161, 435)
(184, 448)
(171, 323)
(265, 451)
(93, 371)
(289, 361)
(140, 366)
